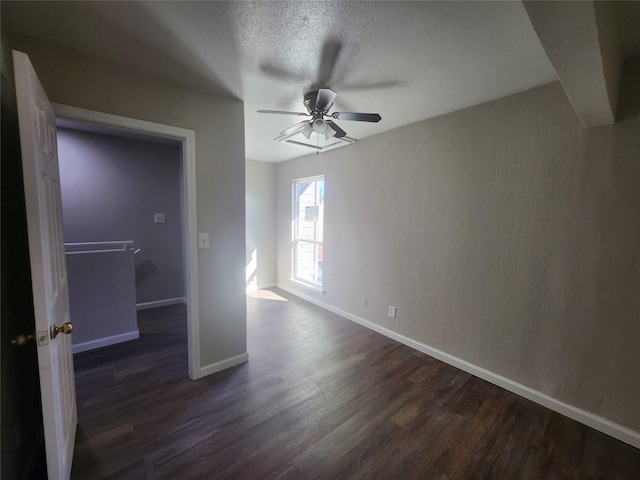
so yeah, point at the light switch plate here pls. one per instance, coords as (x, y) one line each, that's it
(203, 240)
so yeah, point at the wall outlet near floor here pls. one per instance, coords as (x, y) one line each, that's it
(392, 311)
(159, 218)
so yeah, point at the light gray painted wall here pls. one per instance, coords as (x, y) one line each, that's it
(261, 224)
(219, 148)
(505, 234)
(111, 189)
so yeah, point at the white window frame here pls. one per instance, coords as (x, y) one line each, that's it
(295, 241)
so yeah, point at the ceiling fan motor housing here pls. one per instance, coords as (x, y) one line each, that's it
(310, 103)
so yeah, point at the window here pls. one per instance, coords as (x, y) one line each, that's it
(308, 213)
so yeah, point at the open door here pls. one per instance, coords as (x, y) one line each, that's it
(48, 268)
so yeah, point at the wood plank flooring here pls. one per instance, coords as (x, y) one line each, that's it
(321, 398)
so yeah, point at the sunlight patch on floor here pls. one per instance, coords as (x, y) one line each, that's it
(266, 295)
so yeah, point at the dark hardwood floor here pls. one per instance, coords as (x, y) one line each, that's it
(321, 398)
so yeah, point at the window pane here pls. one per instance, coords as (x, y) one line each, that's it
(310, 197)
(308, 220)
(309, 261)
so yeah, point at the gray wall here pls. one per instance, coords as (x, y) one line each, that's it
(505, 234)
(261, 224)
(218, 124)
(111, 189)
(101, 298)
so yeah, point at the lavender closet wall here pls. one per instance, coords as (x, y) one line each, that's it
(111, 189)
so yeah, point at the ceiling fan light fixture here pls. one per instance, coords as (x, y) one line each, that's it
(319, 126)
(307, 131)
(329, 133)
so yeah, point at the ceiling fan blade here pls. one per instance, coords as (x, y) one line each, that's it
(325, 99)
(292, 130)
(358, 117)
(328, 61)
(339, 132)
(364, 87)
(280, 112)
(281, 73)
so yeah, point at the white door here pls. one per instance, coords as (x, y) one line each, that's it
(48, 268)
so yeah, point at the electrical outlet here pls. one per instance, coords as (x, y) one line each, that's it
(392, 311)
(159, 218)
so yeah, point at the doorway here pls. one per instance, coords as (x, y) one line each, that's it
(122, 206)
(132, 128)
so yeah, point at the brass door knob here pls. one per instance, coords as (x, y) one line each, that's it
(22, 340)
(66, 328)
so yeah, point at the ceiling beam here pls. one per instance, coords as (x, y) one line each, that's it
(581, 43)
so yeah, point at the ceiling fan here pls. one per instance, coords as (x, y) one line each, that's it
(318, 104)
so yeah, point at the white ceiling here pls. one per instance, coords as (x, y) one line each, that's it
(407, 61)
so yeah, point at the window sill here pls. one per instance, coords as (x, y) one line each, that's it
(311, 286)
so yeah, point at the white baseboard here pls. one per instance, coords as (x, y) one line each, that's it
(223, 364)
(105, 341)
(592, 420)
(263, 286)
(161, 303)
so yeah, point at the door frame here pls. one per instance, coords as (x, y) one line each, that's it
(189, 213)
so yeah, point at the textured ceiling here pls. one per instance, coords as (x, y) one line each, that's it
(405, 60)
